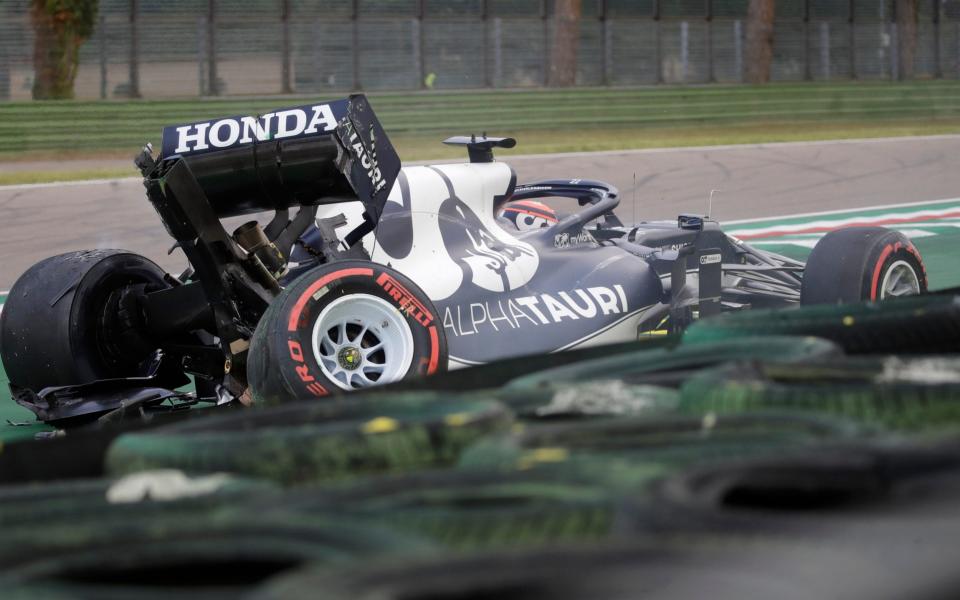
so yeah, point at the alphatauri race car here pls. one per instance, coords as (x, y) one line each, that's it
(383, 273)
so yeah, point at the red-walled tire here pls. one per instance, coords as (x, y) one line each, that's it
(340, 327)
(860, 264)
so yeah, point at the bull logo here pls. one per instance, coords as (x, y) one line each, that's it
(492, 262)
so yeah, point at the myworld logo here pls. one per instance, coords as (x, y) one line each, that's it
(236, 131)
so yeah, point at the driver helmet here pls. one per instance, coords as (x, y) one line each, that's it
(528, 214)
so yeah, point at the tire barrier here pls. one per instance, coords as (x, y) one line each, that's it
(81, 453)
(914, 325)
(862, 494)
(697, 566)
(313, 441)
(215, 553)
(624, 382)
(628, 453)
(137, 493)
(890, 393)
(495, 374)
(468, 510)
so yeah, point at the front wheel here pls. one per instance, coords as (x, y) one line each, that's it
(342, 327)
(860, 264)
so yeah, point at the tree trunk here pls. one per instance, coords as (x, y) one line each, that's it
(566, 36)
(60, 27)
(759, 47)
(906, 36)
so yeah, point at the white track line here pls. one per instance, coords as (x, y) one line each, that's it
(722, 147)
(53, 184)
(840, 211)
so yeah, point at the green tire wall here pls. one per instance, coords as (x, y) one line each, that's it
(913, 325)
(315, 441)
(469, 510)
(619, 379)
(921, 394)
(629, 453)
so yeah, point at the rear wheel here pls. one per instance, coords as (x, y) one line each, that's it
(342, 327)
(65, 321)
(862, 264)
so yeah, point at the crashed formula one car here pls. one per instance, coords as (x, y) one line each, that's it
(383, 273)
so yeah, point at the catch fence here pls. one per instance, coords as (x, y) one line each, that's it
(183, 48)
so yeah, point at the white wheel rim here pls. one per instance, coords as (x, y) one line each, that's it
(899, 280)
(361, 340)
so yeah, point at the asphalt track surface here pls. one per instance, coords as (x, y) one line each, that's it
(752, 181)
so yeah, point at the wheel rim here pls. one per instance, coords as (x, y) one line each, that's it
(361, 340)
(899, 280)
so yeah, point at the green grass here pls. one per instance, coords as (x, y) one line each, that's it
(12, 415)
(547, 120)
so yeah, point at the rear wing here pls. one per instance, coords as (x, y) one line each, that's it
(300, 156)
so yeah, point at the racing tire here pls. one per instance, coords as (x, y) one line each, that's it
(318, 441)
(341, 327)
(51, 329)
(859, 264)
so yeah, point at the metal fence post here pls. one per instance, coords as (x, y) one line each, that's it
(102, 47)
(608, 51)
(825, 49)
(201, 55)
(134, 50)
(317, 51)
(606, 55)
(851, 20)
(213, 83)
(657, 51)
(684, 49)
(416, 31)
(286, 79)
(937, 68)
(738, 49)
(546, 42)
(895, 52)
(485, 59)
(355, 44)
(709, 35)
(807, 71)
(4, 74)
(497, 52)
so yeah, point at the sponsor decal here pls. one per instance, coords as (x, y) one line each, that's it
(710, 259)
(529, 312)
(303, 371)
(406, 301)
(488, 261)
(565, 240)
(368, 160)
(196, 138)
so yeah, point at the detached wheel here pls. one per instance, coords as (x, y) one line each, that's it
(862, 264)
(63, 324)
(342, 327)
